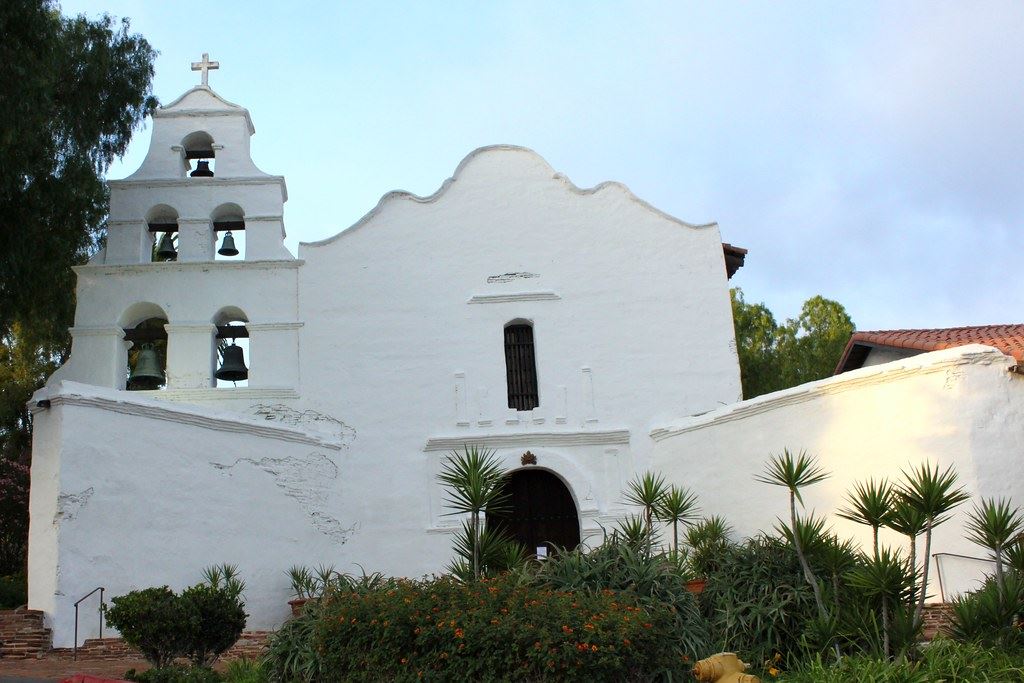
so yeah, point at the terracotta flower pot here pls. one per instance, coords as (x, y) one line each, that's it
(297, 604)
(696, 586)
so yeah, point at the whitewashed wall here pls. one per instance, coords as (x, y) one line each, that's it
(958, 407)
(129, 492)
(390, 337)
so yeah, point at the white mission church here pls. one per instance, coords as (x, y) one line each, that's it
(581, 334)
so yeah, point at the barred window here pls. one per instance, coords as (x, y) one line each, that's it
(521, 367)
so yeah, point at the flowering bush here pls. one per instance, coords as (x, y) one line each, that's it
(494, 629)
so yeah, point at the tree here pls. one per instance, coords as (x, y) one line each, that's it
(804, 349)
(73, 90)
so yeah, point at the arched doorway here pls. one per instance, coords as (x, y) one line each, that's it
(540, 511)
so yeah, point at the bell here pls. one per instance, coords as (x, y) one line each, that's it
(227, 247)
(147, 373)
(232, 368)
(166, 250)
(202, 169)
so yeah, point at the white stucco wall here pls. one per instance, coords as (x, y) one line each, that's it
(390, 337)
(958, 407)
(150, 493)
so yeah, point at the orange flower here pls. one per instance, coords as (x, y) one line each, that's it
(594, 648)
(589, 627)
(566, 629)
(459, 633)
(626, 642)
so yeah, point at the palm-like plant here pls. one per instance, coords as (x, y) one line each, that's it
(908, 520)
(646, 490)
(794, 473)
(882, 576)
(995, 525)
(474, 479)
(836, 557)
(870, 504)
(933, 494)
(677, 506)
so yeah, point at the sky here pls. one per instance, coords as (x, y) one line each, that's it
(872, 153)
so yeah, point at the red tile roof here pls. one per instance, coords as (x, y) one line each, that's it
(1007, 338)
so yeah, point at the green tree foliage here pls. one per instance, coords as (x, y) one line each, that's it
(777, 356)
(73, 89)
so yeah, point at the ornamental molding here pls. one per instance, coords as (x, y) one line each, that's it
(512, 297)
(528, 440)
(186, 266)
(273, 326)
(131, 403)
(920, 365)
(187, 328)
(97, 331)
(277, 180)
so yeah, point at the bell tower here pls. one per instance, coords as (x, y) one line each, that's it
(197, 182)
(194, 259)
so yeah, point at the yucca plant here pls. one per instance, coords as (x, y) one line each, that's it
(794, 473)
(836, 557)
(884, 576)
(474, 480)
(647, 491)
(225, 576)
(678, 506)
(708, 539)
(995, 525)
(933, 494)
(869, 503)
(633, 531)
(910, 521)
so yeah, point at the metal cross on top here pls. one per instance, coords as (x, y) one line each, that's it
(205, 66)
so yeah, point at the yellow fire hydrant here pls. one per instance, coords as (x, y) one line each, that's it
(725, 667)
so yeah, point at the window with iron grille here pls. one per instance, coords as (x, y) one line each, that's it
(521, 367)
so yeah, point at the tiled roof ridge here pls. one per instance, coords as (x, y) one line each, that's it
(1008, 338)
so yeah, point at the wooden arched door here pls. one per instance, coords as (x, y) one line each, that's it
(539, 512)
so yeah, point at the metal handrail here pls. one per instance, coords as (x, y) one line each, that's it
(89, 594)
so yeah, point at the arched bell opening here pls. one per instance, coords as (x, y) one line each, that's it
(539, 512)
(231, 348)
(229, 232)
(162, 221)
(200, 157)
(147, 356)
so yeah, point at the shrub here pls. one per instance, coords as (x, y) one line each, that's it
(625, 567)
(491, 630)
(216, 619)
(757, 601)
(987, 616)
(153, 621)
(201, 623)
(175, 674)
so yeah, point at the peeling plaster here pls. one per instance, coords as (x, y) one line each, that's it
(509, 277)
(305, 481)
(278, 412)
(70, 504)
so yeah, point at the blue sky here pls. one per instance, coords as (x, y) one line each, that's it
(872, 153)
